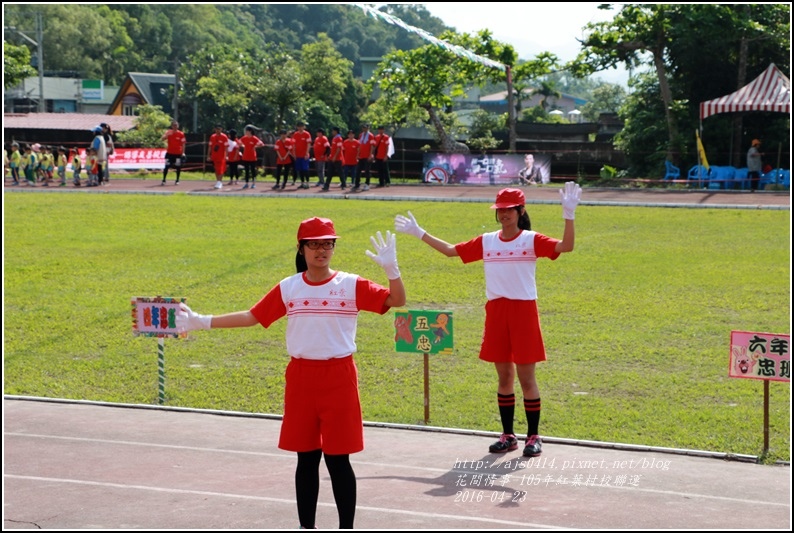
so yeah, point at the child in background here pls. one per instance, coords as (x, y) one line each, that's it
(14, 162)
(44, 165)
(31, 163)
(61, 164)
(92, 166)
(77, 166)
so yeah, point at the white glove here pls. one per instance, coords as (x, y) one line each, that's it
(408, 225)
(187, 320)
(387, 254)
(570, 194)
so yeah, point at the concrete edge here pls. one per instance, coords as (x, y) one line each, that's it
(412, 427)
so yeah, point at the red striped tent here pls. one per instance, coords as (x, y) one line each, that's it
(771, 91)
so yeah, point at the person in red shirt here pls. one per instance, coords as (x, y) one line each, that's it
(365, 157)
(336, 159)
(350, 155)
(175, 150)
(233, 157)
(512, 339)
(250, 143)
(322, 148)
(383, 151)
(302, 140)
(216, 152)
(322, 410)
(284, 148)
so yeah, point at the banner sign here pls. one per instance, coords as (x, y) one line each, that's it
(155, 317)
(423, 332)
(485, 169)
(760, 356)
(132, 158)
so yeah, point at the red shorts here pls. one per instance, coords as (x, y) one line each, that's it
(512, 332)
(220, 166)
(322, 410)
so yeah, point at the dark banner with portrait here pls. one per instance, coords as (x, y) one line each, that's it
(502, 169)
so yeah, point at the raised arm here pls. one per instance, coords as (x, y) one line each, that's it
(411, 227)
(385, 255)
(570, 196)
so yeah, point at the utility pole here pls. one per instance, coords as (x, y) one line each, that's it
(38, 43)
(40, 59)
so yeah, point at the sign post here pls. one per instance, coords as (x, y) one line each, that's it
(424, 332)
(766, 356)
(156, 317)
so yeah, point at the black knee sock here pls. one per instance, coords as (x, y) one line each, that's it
(343, 482)
(307, 486)
(507, 409)
(532, 408)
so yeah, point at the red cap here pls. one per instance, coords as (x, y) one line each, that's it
(316, 228)
(508, 198)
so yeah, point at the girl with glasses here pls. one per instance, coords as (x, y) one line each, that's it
(322, 411)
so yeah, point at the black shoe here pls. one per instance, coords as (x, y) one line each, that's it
(506, 443)
(533, 446)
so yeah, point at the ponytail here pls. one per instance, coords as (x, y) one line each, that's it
(523, 219)
(300, 259)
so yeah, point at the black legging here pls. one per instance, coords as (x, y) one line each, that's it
(307, 487)
(250, 170)
(234, 171)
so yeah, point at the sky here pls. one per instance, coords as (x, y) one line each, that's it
(530, 28)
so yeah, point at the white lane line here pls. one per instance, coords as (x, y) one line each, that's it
(284, 501)
(387, 465)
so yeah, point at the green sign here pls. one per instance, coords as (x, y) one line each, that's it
(93, 89)
(423, 331)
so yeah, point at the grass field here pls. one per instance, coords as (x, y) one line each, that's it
(637, 319)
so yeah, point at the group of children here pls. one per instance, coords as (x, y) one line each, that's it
(39, 164)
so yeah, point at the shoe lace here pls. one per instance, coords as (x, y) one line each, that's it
(505, 437)
(532, 440)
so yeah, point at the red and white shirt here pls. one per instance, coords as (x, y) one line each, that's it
(302, 139)
(321, 146)
(249, 144)
(509, 265)
(284, 151)
(321, 317)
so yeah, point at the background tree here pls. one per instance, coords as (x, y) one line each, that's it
(16, 65)
(637, 29)
(698, 54)
(482, 127)
(606, 98)
(428, 77)
(527, 74)
(149, 124)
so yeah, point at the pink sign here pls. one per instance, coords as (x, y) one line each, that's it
(131, 158)
(155, 317)
(760, 356)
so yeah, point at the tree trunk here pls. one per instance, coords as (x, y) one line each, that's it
(738, 123)
(448, 145)
(667, 98)
(511, 112)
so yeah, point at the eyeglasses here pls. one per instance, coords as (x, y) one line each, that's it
(327, 245)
